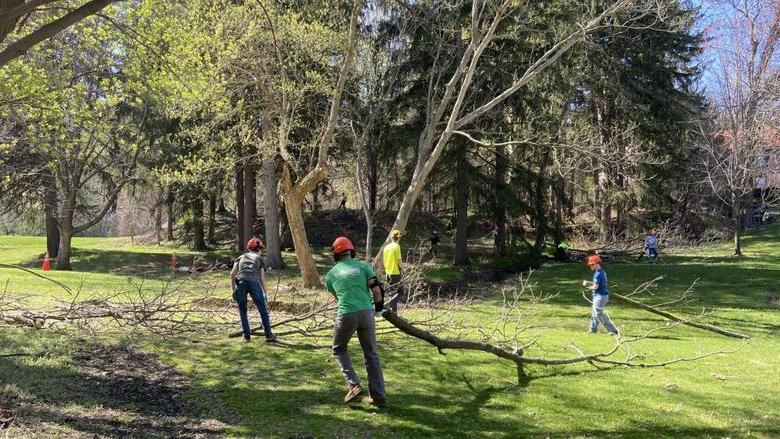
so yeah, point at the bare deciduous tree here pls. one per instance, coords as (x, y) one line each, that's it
(736, 141)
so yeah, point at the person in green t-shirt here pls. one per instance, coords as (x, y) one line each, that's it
(359, 295)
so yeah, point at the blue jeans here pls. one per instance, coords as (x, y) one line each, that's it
(652, 253)
(598, 315)
(256, 291)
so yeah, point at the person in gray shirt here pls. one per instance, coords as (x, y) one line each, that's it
(248, 277)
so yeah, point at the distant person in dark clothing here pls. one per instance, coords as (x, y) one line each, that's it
(435, 244)
(561, 252)
(343, 204)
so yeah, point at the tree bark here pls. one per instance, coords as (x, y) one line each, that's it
(22, 45)
(238, 181)
(737, 234)
(462, 205)
(250, 198)
(499, 189)
(293, 204)
(365, 196)
(50, 213)
(64, 253)
(212, 218)
(65, 223)
(273, 240)
(158, 223)
(373, 181)
(198, 238)
(541, 203)
(171, 219)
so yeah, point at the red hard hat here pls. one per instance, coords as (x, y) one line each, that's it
(255, 244)
(341, 245)
(593, 260)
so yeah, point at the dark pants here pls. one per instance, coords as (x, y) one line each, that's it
(256, 291)
(363, 323)
(394, 286)
(652, 253)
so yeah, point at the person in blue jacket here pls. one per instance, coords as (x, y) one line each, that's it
(600, 296)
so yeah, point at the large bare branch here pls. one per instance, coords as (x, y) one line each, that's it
(22, 45)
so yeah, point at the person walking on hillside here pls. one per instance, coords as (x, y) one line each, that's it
(435, 244)
(359, 296)
(248, 277)
(343, 204)
(651, 245)
(391, 256)
(600, 296)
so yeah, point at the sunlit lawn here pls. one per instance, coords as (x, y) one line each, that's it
(294, 389)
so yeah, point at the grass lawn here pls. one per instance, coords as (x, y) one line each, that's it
(218, 386)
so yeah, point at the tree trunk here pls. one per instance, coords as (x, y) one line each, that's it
(499, 189)
(64, 253)
(169, 205)
(540, 204)
(66, 232)
(158, 223)
(198, 238)
(273, 240)
(50, 213)
(238, 181)
(603, 208)
(293, 204)
(212, 218)
(365, 195)
(558, 201)
(250, 198)
(373, 181)
(462, 205)
(737, 234)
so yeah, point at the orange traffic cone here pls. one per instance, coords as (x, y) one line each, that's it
(46, 263)
(173, 261)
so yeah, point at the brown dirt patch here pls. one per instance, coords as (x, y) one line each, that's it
(109, 391)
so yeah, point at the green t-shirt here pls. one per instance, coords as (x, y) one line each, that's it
(348, 281)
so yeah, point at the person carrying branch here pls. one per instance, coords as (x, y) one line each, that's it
(248, 277)
(359, 294)
(651, 245)
(391, 256)
(600, 296)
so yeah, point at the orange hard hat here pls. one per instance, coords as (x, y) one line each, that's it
(593, 260)
(342, 244)
(255, 244)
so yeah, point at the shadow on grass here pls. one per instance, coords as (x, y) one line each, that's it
(102, 390)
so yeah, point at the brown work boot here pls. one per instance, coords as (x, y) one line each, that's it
(378, 403)
(354, 392)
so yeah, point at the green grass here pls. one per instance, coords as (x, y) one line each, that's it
(294, 388)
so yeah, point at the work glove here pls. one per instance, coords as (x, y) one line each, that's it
(379, 306)
(584, 283)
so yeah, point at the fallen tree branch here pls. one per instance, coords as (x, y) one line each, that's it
(674, 318)
(58, 283)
